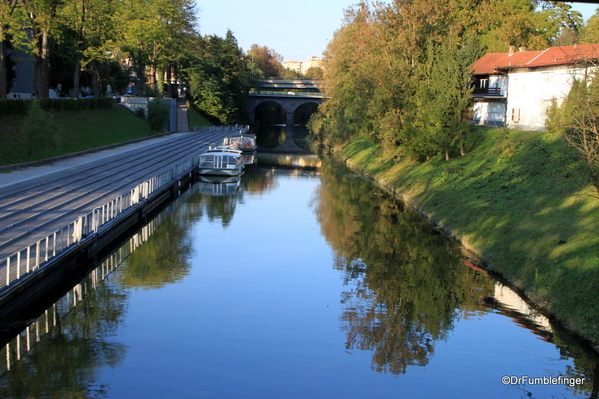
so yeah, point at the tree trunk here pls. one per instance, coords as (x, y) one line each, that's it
(74, 92)
(169, 91)
(160, 82)
(141, 78)
(3, 66)
(447, 157)
(42, 67)
(96, 87)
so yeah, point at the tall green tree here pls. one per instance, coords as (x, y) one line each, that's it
(150, 34)
(90, 30)
(399, 73)
(42, 25)
(349, 81)
(590, 33)
(444, 96)
(219, 78)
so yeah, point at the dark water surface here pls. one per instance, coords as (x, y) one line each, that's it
(294, 283)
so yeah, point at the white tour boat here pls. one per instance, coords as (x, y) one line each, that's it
(221, 161)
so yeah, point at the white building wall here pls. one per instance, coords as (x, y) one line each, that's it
(293, 65)
(532, 91)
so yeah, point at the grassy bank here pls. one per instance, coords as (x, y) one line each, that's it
(72, 131)
(512, 202)
(195, 119)
(69, 131)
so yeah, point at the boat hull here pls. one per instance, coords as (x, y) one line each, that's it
(219, 172)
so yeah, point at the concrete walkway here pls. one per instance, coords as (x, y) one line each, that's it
(182, 123)
(20, 175)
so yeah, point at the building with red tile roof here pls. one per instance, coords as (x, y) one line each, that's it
(517, 87)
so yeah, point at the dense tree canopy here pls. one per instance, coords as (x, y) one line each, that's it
(399, 73)
(144, 44)
(219, 77)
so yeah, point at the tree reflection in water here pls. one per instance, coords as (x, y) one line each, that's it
(65, 363)
(407, 281)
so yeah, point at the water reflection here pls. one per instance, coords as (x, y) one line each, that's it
(406, 292)
(282, 139)
(219, 185)
(292, 161)
(61, 352)
(407, 284)
(268, 137)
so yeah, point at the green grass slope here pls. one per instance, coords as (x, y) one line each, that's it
(512, 202)
(69, 131)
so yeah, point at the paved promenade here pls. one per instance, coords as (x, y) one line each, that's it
(34, 172)
(37, 201)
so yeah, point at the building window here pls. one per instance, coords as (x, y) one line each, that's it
(515, 115)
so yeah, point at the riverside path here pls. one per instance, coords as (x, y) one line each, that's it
(37, 201)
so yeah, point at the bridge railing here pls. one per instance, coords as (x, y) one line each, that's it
(285, 93)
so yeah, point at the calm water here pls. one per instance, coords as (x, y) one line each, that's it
(293, 283)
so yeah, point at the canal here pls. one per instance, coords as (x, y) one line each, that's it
(302, 280)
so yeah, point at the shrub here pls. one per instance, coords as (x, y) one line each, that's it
(158, 114)
(140, 112)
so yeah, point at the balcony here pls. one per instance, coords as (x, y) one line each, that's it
(487, 92)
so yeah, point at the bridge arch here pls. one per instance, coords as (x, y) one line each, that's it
(270, 112)
(303, 112)
(289, 103)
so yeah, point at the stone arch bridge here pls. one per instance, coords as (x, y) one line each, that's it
(277, 91)
(289, 102)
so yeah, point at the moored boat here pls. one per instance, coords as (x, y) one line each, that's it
(243, 142)
(220, 161)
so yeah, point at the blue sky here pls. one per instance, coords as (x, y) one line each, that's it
(294, 30)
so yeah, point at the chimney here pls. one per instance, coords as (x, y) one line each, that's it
(512, 50)
(522, 49)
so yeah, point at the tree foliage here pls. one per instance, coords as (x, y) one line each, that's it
(219, 77)
(577, 122)
(267, 61)
(399, 73)
(590, 33)
(158, 115)
(108, 45)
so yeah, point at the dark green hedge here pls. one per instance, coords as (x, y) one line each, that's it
(21, 106)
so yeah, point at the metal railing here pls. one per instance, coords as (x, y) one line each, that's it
(22, 343)
(34, 256)
(285, 93)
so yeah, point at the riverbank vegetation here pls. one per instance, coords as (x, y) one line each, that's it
(398, 79)
(511, 203)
